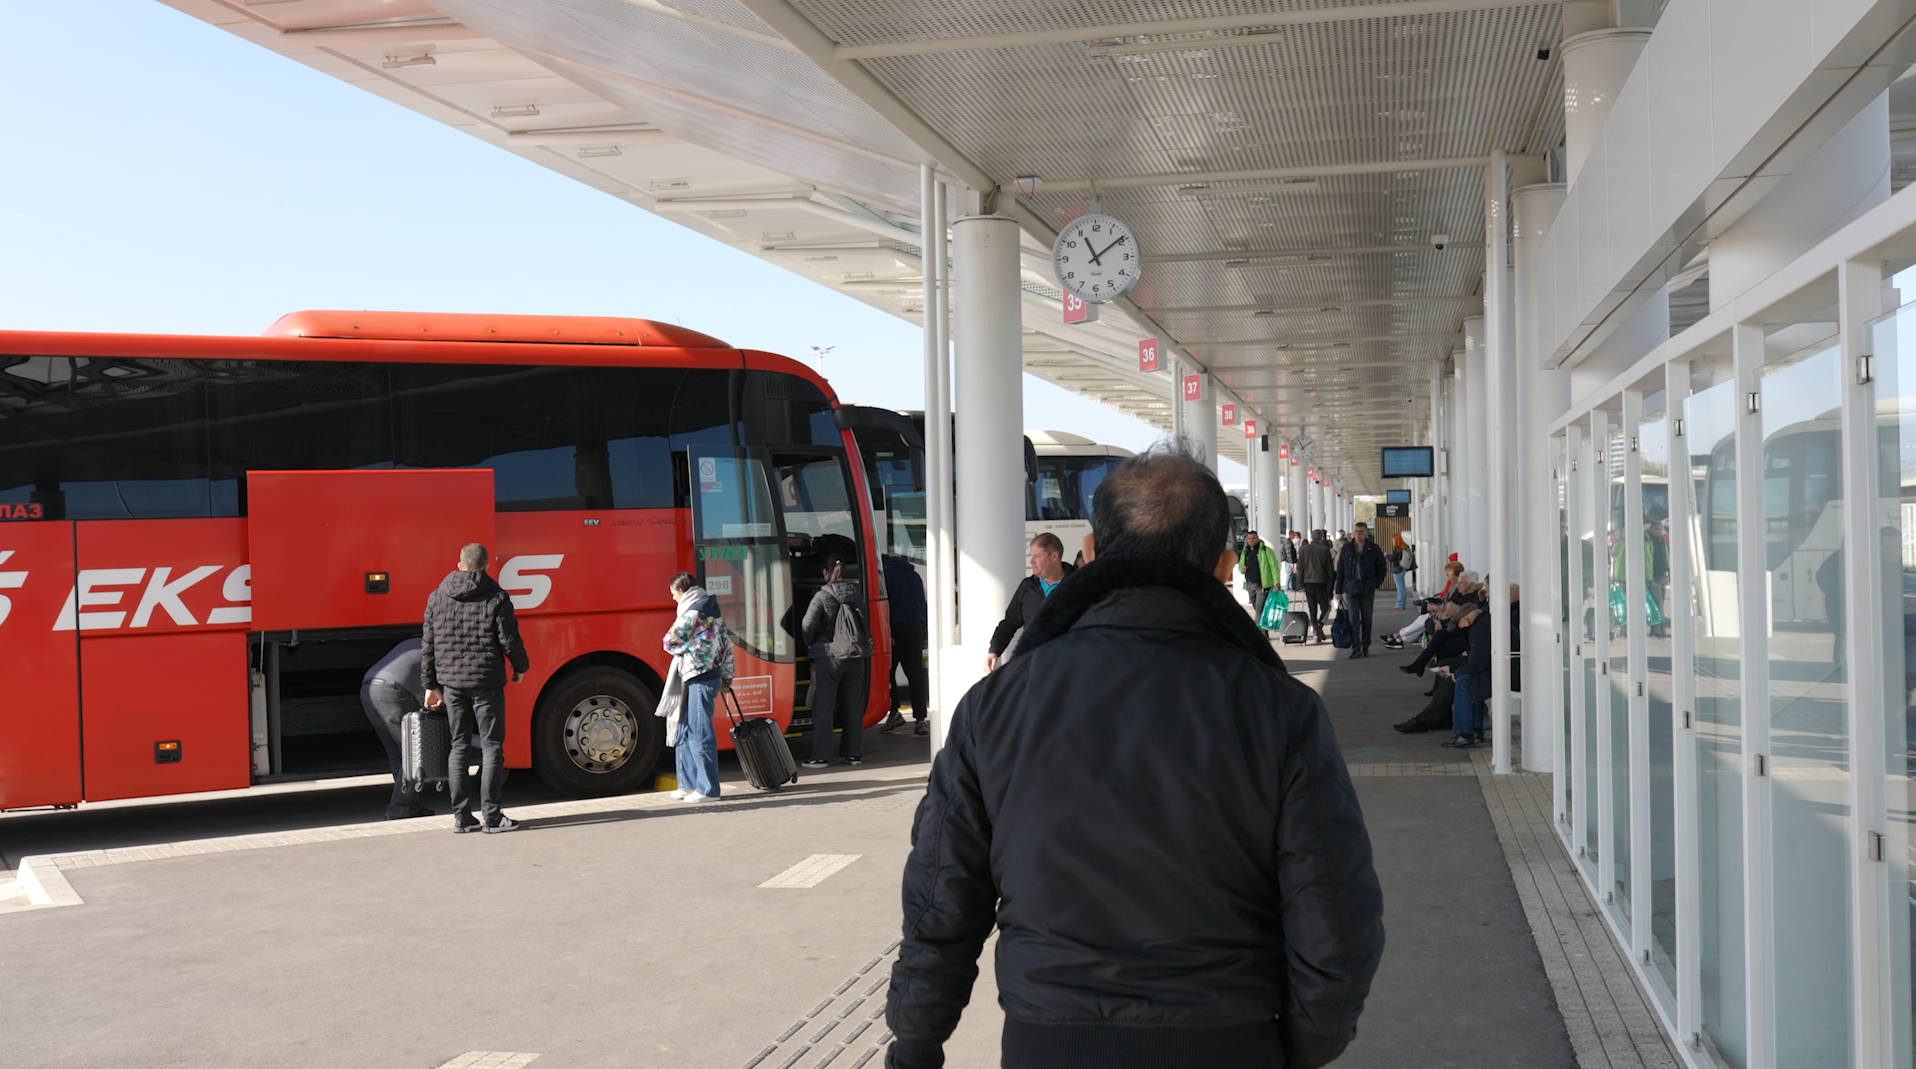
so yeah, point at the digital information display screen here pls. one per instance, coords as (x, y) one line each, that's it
(1397, 497)
(1409, 462)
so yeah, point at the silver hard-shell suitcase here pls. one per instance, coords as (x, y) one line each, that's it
(425, 747)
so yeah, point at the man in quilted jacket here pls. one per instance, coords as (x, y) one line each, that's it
(469, 636)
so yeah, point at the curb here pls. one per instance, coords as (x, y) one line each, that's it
(45, 884)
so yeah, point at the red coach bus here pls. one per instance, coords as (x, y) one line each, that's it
(206, 541)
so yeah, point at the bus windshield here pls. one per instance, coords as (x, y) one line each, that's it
(1064, 486)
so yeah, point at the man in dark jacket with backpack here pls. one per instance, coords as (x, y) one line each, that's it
(469, 636)
(1048, 569)
(1153, 815)
(838, 642)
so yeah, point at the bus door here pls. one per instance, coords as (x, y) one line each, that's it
(820, 516)
(40, 717)
(739, 546)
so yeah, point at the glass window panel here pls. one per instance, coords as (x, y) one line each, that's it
(93, 439)
(1896, 507)
(742, 558)
(1709, 438)
(1800, 416)
(1618, 541)
(1587, 535)
(1565, 635)
(1654, 470)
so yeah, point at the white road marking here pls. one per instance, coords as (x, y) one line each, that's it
(489, 1059)
(812, 871)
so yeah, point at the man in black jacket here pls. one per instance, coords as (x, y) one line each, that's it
(470, 631)
(1048, 569)
(1155, 817)
(1316, 571)
(1361, 569)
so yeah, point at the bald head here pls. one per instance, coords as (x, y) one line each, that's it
(1162, 503)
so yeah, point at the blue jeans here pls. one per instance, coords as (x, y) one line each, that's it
(1466, 712)
(697, 751)
(1403, 588)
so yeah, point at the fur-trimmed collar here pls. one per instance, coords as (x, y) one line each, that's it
(1089, 585)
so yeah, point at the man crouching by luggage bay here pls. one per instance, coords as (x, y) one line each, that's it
(1153, 814)
(470, 631)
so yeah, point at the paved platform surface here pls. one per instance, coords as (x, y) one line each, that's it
(642, 932)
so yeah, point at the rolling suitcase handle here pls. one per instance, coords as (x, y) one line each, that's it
(733, 712)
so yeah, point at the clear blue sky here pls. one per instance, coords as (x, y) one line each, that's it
(159, 175)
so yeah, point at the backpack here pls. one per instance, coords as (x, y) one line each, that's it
(851, 637)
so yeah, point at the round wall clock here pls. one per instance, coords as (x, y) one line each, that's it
(1096, 258)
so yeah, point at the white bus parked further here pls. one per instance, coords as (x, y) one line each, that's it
(1058, 496)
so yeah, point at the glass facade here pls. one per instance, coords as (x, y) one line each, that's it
(1618, 544)
(1583, 517)
(1709, 438)
(1894, 527)
(1653, 469)
(1808, 766)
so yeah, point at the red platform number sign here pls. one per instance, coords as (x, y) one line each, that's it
(1148, 354)
(1250, 428)
(1284, 451)
(1077, 311)
(1229, 412)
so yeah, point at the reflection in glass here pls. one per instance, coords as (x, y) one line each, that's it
(1654, 469)
(1564, 635)
(1895, 336)
(1800, 414)
(1586, 646)
(742, 558)
(1618, 542)
(1709, 439)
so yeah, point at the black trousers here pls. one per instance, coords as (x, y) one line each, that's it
(1320, 599)
(838, 700)
(477, 711)
(386, 704)
(1361, 605)
(908, 651)
(1442, 644)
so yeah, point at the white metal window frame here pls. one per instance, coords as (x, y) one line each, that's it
(1845, 273)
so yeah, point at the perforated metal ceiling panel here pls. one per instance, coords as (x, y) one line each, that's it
(1316, 298)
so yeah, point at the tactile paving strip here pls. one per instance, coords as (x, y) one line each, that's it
(845, 1030)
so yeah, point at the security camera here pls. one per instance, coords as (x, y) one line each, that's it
(1438, 241)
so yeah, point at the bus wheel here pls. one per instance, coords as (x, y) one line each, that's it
(594, 733)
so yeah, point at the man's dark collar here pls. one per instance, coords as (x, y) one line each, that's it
(1097, 580)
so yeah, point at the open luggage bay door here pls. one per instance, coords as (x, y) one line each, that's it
(359, 548)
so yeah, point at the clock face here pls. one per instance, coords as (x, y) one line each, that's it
(1096, 258)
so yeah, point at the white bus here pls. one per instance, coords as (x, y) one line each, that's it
(1066, 473)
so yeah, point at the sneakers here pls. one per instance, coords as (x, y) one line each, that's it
(854, 760)
(1458, 742)
(1392, 642)
(817, 764)
(505, 824)
(920, 727)
(463, 823)
(694, 797)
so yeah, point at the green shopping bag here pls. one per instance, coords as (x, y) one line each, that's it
(1619, 613)
(1275, 606)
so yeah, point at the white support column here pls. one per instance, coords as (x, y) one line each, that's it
(990, 407)
(1270, 478)
(1543, 395)
(1200, 420)
(1456, 539)
(1474, 489)
(1752, 587)
(936, 578)
(1874, 960)
(1176, 369)
(1500, 372)
(1433, 557)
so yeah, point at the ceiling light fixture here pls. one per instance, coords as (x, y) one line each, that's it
(1280, 261)
(515, 111)
(421, 60)
(600, 150)
(1199, 45)
(1294, 185)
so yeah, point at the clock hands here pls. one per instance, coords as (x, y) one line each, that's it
(1095, 256)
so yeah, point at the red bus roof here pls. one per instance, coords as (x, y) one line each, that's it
(383, 337)
(457, 326)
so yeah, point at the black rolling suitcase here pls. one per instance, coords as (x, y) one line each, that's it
(425, 747)
(1297, 628)
(762, 752)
